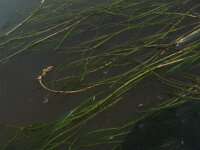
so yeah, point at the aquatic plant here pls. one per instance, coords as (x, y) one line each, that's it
(115, 46)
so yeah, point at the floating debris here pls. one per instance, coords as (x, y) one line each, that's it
(191, 36)
(141, 105)
(46, 100)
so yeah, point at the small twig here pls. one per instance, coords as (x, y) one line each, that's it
(49, 68)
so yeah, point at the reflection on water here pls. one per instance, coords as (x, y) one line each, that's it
(12, 11)
(177, 127)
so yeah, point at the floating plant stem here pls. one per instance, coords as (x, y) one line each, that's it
(49, 68)
(190, 36)
(29, 17)
(115, 45)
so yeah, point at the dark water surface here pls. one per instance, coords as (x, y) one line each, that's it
(12, 11)
(21, 99)
(24, 102)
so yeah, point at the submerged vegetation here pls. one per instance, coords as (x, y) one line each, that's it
(114, 46)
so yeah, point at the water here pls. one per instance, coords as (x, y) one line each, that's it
(24, 102)
(180, 125)
(12, 11)
(21, 98)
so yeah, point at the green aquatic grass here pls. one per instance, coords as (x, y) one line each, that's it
(136, 39)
